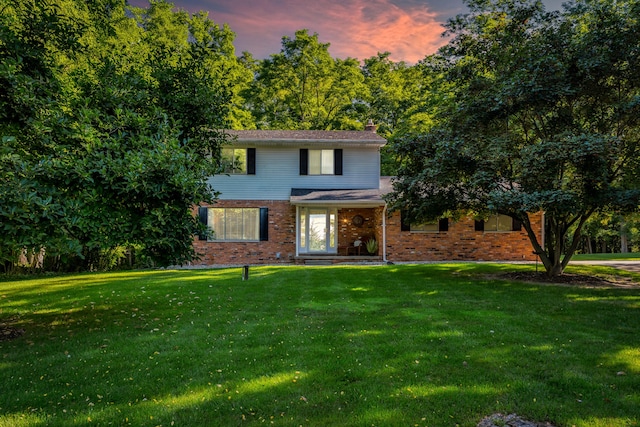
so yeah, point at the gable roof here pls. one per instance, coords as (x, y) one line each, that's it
(307, 137)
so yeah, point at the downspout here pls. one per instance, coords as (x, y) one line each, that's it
(297, 230)
(544, 231)
(384, 233)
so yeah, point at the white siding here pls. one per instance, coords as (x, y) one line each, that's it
(278, 171)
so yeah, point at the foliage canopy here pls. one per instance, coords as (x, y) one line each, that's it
(544, 117)
(106, 118)
(110, 116)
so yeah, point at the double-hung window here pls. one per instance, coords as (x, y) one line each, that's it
(238, 161)
(234, 160)
(320, 161)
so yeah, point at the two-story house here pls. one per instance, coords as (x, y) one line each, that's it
(301, 196)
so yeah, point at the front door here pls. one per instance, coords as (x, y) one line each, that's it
(317, 230)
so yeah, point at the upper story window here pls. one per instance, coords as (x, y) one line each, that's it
(234, 160)
(238, 161)
(498, 223)
(320, 162)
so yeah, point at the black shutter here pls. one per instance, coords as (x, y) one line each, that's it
(304, 161)
(516, 225)
(251, 161)
(443, 224)
(479, 226)
(337, 161)
(203, 216)
(404, 224)
(264, 224)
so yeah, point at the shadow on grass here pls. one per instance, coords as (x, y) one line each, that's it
(397, 345)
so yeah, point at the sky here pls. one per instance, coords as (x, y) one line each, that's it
(408, 29)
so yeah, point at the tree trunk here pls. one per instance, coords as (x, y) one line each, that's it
(555, 270)
(624, 239)
(550, 256)
(556, 254)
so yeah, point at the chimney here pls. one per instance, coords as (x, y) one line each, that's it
(370, 127)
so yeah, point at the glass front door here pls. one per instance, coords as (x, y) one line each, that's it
(317, 230)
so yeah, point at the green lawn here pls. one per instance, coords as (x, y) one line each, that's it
(607, 257)
(421, 345)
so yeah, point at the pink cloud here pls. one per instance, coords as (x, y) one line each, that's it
(354, 28)
(362, 28)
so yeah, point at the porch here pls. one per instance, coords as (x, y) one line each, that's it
(338, 226)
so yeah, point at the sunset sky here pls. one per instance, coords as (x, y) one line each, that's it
(409, 29)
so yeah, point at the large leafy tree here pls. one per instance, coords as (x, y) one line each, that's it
(400, 99)
(37, 39)
(107, 118)
(303, 87)
(545, 118)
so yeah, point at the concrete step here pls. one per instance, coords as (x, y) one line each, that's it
(318, 262)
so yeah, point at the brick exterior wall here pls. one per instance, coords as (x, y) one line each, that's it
(460, 243)
(282, 238)
(349, 232)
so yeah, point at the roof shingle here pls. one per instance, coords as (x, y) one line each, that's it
(308, 136)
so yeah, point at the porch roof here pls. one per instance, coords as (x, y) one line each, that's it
(370, 197)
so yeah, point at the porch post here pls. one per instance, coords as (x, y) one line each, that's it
(297, 230)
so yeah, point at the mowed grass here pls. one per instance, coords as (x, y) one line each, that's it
(629, 256)
(403, 345)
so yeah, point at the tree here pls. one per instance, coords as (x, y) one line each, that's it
(33, 33)
(303, 87)
(399, 95)
(545, 118)
(400, 99)
(611, 232)
(109, 122)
